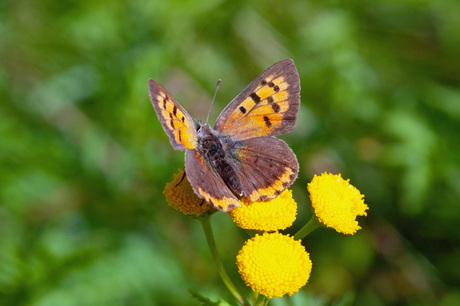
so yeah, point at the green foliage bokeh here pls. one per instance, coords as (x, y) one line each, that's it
(84, 160)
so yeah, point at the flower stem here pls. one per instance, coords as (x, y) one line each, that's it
(255, 296)
(262, 301)
(308, 228)
(207, 228)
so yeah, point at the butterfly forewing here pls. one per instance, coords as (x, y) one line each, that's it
(175, 120)
(268, 106)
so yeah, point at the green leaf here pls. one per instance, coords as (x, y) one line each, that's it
(205, 301)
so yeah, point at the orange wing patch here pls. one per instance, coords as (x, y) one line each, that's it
(176, 122)
(262, 111)
(224, 204)
(182, 130)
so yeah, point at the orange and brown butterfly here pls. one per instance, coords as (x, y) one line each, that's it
(239, 157)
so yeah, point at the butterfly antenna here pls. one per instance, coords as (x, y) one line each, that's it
(212, 102)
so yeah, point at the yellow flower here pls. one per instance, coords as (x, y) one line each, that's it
(336, 203)
(274, 264)
(180, 195)
(271, 215)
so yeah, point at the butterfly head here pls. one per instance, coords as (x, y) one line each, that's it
(203, 129)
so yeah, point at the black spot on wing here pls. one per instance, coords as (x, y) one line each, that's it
(172, 120)
(276, 88)
(242, 109)
(276, 107)
(255, 97)
(268, 123)
(263, 198)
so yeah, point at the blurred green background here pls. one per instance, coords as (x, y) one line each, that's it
(84, 160)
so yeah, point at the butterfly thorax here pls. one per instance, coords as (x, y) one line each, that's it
(216, 152)
(208, 144)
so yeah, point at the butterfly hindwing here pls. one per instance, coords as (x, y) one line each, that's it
(268, 106)
(207, 183)
(175, 120)
(266, 166)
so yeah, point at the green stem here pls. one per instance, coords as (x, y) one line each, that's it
(266, 300)
(207, 228)
(263, 301)
(308, 228)
(255, 296)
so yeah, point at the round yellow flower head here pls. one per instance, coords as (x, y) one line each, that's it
(180, 195)
(274, 264)
(336, 203)
(271, 215)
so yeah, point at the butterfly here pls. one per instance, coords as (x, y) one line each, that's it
(239, 157)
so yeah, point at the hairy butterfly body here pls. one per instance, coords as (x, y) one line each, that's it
(239, 157)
